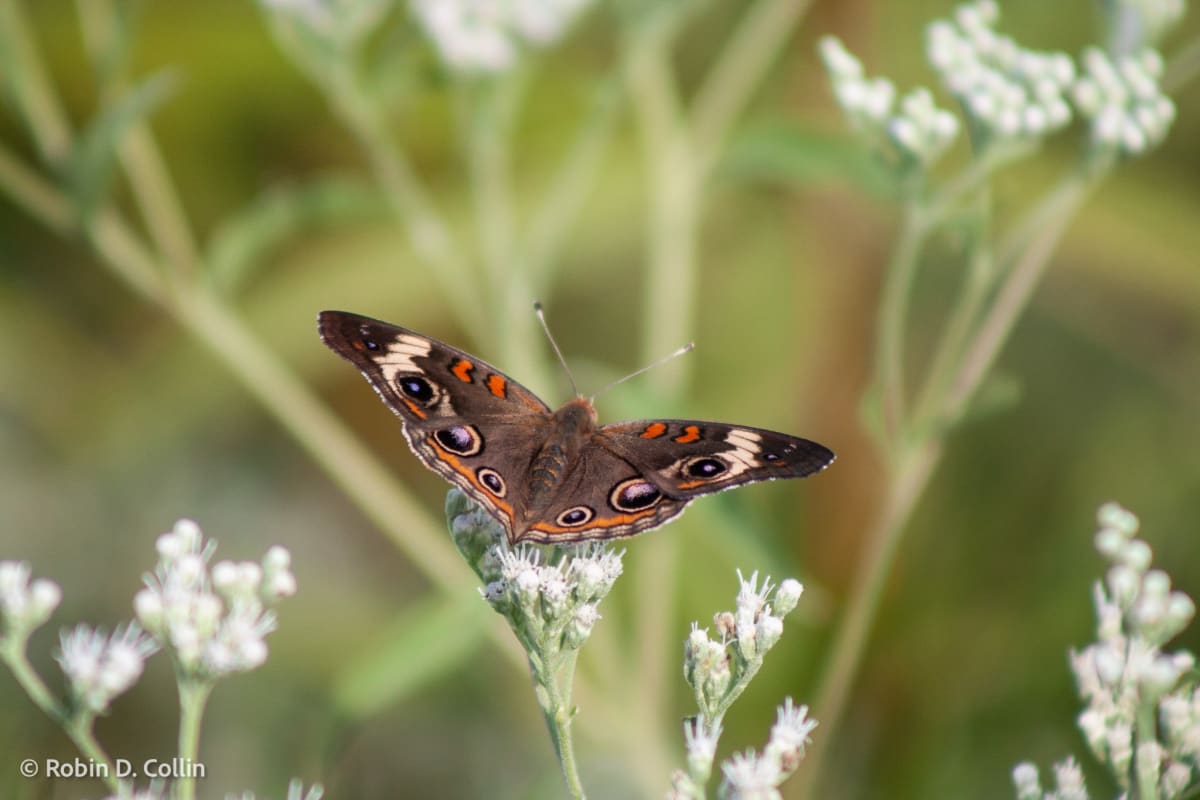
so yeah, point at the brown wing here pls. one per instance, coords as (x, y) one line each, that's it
(688, 458)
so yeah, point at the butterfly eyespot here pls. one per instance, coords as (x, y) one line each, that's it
(634, 494)
(705, 468)
(491, 481)
(462, 440)
(770, 457)
(370, 344)
(573, 517)
(417, 388)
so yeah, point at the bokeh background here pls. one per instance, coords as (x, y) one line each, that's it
(115, 421)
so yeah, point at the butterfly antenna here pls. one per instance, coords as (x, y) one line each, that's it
(537, 309)
(687, 348)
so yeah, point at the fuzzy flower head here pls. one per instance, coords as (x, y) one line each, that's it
(789, 736)
(556, 601)
(24, 605)
(487, 36)
(1008, 92)
(99, 667)
(213, 622)
(1122, 99)
(751, 777)
(1126, 668)
(913, 137)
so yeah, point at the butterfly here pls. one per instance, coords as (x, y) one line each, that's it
(553, 476)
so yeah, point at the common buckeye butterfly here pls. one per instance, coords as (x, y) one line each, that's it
(553, 476)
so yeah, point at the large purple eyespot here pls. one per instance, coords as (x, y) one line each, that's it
(634, 494)
(462, 440)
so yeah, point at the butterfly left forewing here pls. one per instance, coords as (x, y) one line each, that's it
(688, 458)
(463, 418)
(420, 378)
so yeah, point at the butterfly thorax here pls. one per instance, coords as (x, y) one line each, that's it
(572, 426)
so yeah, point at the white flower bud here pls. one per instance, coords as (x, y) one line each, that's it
(787, 596)
(1025, 779)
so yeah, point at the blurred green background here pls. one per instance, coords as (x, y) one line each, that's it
(114, 422)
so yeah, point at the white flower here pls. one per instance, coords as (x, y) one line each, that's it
(790, 734)
(1069, 780)
(1129, 114)
(214, 621)
(919, 133)
(701, 745)
(1010, 92)
(749, 777)
(99, 668)
(487, 35)
(25, 605)
(1026, 780)
(787, 596)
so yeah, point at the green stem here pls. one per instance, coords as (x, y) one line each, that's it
(428, 234)
(77, 727)
(80, 732)
(667, 314)
(193, 695)
(890, 327)
(553, 674)
(912, 471)
(1146, 734)
(560, 207)
(38, 103)
(12, 650)
(908, 481)
(761, 35)
(151, 185)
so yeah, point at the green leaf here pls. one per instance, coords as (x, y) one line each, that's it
(786, 152)
(426, 644)
(241, 244)
(91, 168)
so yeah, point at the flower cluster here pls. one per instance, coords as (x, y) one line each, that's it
(714, 667)
(23, 605)
(916, 135)
(212, 623)
(1068, 782)
(1008, 92)
(547, 604)
(1129, 114)
(718, 672)
(748, 776)
(485, 35)
(99, 668)
(1126, 678)
(553, 601)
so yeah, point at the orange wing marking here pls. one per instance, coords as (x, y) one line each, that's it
(654, 430)
(497, 385)
(462, 370)
(414, 408)
(691, 433)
